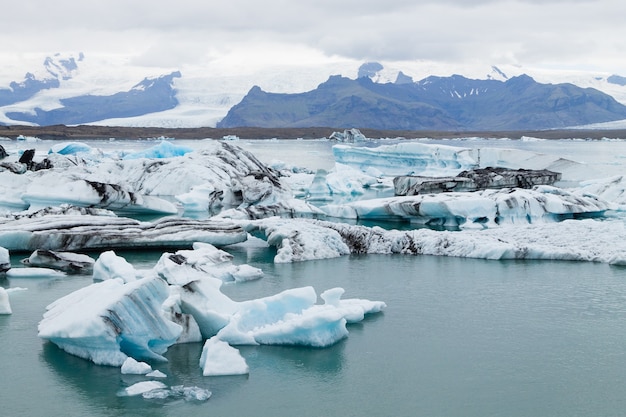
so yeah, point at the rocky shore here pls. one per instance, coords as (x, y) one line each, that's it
(83, 132)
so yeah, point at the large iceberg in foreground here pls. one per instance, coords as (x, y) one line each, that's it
(109, 321)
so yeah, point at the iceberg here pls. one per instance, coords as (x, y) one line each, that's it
(219, 358)
(142, 388)
(72, 263)
(589, 240)
(110, 266)
(485, 208)
(164, 149)
(53, 191)
(5, 260)
(34, 273)
(612, 189)
(109, 321)
(133, 367)
(72, 232)
(180, 300)
(430, 160)
(5, 304)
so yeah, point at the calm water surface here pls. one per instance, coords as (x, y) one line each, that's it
(460, 337)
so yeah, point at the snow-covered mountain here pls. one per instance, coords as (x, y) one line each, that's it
(51, 88)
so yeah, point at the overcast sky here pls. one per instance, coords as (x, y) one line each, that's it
(572, 34)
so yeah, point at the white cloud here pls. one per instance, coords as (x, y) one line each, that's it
(583, 33)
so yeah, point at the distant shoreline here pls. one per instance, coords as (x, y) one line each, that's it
(86, 132)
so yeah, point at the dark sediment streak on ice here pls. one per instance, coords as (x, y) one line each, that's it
(88, 232)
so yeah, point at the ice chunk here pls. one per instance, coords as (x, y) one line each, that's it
(131, 366)
(69, 262)
(219, 358)
(34, 273)
(205, 260)
(110, 266)
(69, 232)
(141, 388)
(56, 189)
(108, 321)
(164, 149)
(485, 208)
(70, 148)
(5, 305)
(156, 374)
(5, 260)
(297, 240)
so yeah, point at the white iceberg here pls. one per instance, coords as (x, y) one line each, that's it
(109, 321)
(71, 232)
(34, 273)
(435, 160)
(219, 358)
(141, 388)
(110, 266)
(5, 303)
(5, 260)
(69, 262)
(485, 208)
(133, 367)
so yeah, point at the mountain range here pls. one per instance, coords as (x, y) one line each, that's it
(74, 90)
(435, 103)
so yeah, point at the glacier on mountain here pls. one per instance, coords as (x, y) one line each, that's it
(204, 98)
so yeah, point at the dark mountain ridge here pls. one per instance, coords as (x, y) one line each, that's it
(434, 103)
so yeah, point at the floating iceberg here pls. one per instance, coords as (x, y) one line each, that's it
(415, 158)
(219, 358)
(53, 191)
(91, 232)
(576, 240)
(486, 208)
(180, 300)
(164, 149)
(5, 304)
(109, 321)
(5, 259)
(69, 262)
(133, 367)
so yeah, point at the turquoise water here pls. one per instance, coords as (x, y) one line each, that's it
(460, 337)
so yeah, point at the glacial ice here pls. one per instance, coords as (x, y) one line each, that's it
(219, 358)
(574, 240)
(69, 262)
(485, 208)
(163, 150)
(180, 300)
(108, 321)
(71, 232)
(142, 387)
(5, 259)
(5, 303)
(415, 158)
(34, 273)
(133, 367)
(110, 266)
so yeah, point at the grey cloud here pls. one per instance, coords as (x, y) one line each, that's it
(529, 31)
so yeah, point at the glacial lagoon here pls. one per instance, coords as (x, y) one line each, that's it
(459, 337)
